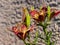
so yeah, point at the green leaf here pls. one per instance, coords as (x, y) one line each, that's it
(27, 43)
(50, 34)
(36, 37)
(27, 18)
(48, 23)
(32, 7)
(52, 43)
(41, 37)
(49, 13)
(40, 24)
(40, 7)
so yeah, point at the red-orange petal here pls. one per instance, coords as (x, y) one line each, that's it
(44, 8)
(53, 14)
(41, 18)
(33, 12)
(56, 13)
(15, 30)
(21, 35)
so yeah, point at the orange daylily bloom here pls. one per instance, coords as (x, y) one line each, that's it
(21, 30)
(15, 30)
(38, 16)
(53, 14)
(34, 14)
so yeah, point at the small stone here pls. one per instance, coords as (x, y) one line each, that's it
(58, 42)
(13, 21)
(18, 16)
(57, 33)
(56, 27)
(18, 20)
(57, 38)
(1, 43)
(53, 38)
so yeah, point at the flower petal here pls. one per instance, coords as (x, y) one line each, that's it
(56, 13)
(44, 8)
(15, 30)
(33, 12)
(53, 14)
(21, 35)
(42, 15)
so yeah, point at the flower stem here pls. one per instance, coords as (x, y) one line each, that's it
(36, 38)
(24, 42)
(47, 34)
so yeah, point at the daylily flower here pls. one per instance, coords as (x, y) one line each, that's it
(42, 15)
(34, 14)
(21, 30)
(44, 8)
(54, 14)
(38, 16)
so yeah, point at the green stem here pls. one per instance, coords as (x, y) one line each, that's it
(29, 40)
(24, 42)
(36, 38)
(45, 32)
(44, 29)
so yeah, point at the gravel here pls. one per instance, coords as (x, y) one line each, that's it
(11, 13)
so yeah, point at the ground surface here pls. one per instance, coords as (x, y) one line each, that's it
(10, 14)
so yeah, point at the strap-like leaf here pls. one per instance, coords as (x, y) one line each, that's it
(28, 20)
(50, 34)
(49, 13)
(32, 7)
(40, 7)
(52, 43)
(27, 17)
(36, 37)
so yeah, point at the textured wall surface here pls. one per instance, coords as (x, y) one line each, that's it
(11, 13)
